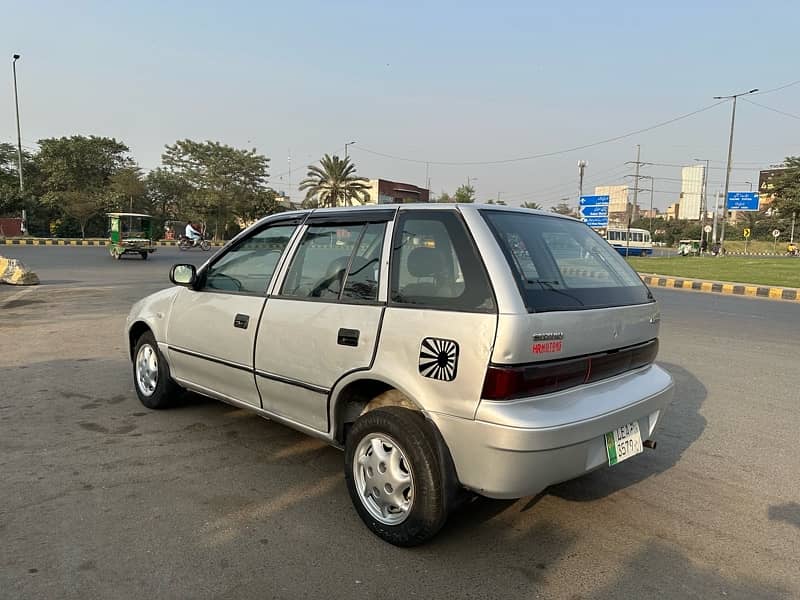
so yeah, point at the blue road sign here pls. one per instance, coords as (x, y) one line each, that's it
(594, 210)
(743, 201)
(595, 200)
(596, 221)
(598, 210)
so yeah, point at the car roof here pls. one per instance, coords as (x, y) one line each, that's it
(464, 207)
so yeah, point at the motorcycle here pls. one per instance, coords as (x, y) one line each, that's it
(185, 243)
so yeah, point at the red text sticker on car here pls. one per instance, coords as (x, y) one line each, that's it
(547, 347)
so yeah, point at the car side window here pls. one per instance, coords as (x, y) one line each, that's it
(249, 266)
(435, 264)
(320, 265)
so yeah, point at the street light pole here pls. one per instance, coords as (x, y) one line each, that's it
(734, 97)
(345, 147)
(19, 134)
(704, 200)
(582, 164)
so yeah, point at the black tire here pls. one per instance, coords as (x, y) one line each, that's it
(205, 245)
(429, 504)
(165, 390)
(184, 244)
(144, 255)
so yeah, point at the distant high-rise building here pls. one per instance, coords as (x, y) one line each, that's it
(691, 192)
(617, 197)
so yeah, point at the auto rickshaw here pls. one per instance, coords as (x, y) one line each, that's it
(689, 247)
(130, 233)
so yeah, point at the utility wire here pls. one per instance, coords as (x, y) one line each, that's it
(775, 110)
(780, 87)
(543, 154)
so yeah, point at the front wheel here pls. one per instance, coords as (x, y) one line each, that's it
(144, 255)
(151, 377)
(205, 245)
(395, 476)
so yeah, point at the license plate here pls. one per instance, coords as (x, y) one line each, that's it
(623, 442)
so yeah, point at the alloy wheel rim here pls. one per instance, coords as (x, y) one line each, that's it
(147, 370)
(383, 479)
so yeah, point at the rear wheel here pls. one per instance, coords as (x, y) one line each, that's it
(184, 244)
(151, 375)
(144, 255)
(395, 476)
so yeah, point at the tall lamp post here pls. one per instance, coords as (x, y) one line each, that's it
(16, 105)
(704, 200)
(345, 148)
(582, 164)
(733, 97)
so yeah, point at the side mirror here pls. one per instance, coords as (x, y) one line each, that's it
(185, 275)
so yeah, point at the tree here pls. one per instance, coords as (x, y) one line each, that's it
(222, 179)
(168, 195)
(531, 205)
(76, 174)
(787, 188)
(465, 194)
(562, 208)
(444, 198)
(333, 183)
(128, 188)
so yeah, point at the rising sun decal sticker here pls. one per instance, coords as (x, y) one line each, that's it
(438, 359)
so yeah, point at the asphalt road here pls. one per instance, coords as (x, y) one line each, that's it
(102, 498)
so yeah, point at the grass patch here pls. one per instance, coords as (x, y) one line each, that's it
(783, 272)
(755, 246)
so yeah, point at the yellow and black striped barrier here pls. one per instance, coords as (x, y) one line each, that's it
(734, 289)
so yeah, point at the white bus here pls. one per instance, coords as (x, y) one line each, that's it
(639, 243)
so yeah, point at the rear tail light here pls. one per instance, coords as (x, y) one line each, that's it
(522, 381)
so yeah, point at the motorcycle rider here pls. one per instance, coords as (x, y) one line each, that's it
(192, 234)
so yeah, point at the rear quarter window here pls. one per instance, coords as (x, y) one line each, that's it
(561, 264)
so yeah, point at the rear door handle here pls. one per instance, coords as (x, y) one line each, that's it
(348, 337)
(241, 321)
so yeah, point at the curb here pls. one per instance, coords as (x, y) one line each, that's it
(78, 242)
(715, 287)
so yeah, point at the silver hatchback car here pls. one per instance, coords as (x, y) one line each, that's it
(447, 349)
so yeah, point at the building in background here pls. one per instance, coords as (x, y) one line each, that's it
(672, 211)
(383, 191)
(619, 209)
(765, 187)
(617, 197)
(692, 179)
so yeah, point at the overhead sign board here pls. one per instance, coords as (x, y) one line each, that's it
(595, 200)
(594, 210)
(743, 201)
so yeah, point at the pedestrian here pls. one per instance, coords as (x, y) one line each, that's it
(703, 246)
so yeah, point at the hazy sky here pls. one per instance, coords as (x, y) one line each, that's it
(437, 81)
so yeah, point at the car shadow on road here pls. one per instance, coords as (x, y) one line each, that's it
(662, 570)
(788, 513)
(679, 427)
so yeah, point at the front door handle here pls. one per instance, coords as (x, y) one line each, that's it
(241, 321)
(347, 337)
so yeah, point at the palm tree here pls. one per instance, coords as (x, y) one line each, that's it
(333, 183)
(533, 205)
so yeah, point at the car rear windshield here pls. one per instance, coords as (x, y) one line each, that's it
(561, 264)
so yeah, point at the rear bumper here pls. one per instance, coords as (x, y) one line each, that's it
(518, 448)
